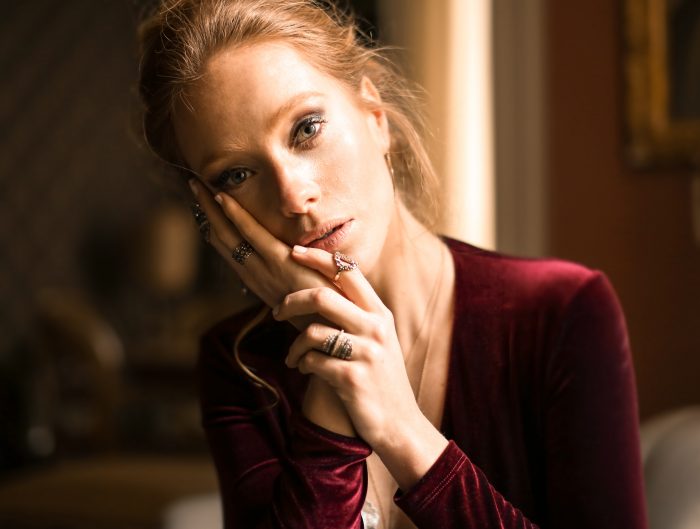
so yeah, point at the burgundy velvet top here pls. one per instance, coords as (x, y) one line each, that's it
(540, 411)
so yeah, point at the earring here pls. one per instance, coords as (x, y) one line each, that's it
(390, 166)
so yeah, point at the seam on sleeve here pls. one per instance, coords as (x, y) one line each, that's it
(252, 469)
(443, 482)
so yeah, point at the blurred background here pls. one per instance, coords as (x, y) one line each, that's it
(559, 128)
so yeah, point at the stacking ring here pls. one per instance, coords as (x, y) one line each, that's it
(337, 346)
(241, 252)
(343, 349)
(202, 221)
(343, 263)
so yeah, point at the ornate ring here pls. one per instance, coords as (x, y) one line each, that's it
(330, 341)
(202, 221)
(344, 350)
(241, 252)
(343, 263)
(336, 346)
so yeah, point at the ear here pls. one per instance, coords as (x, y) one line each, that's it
(377, 120)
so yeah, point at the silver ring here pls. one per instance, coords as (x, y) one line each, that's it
(337, 346)
(241, 252)
(202, 221)
(330, 342)
(344, 350)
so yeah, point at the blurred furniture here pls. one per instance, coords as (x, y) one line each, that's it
(671, 457)
(124, 492)
(90, 481)
(201, 512)
(78, 386)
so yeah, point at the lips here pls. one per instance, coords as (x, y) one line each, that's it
(328, 236)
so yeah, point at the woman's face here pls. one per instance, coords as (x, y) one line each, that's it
(293, 146)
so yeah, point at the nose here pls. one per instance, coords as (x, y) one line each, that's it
(298, 188)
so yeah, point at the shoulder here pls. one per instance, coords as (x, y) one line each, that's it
(528, 284)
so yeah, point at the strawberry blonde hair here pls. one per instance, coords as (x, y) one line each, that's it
(180, 36)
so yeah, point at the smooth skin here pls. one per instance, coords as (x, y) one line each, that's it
(285, 149)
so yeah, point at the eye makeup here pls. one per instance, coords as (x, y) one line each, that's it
(307, 130)
(304, 135)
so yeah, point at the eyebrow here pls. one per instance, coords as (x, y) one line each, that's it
(238, 145)
(288, 106)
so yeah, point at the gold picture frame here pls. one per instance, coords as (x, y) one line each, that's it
(662, 72)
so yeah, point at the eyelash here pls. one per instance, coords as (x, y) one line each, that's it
(222, 180)
(315, 119)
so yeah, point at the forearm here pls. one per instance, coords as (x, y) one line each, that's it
(323, 407)
(455, 494)
(321, 477)
(410, 448)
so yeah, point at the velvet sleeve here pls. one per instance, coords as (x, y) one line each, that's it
(594, 466)
(276, 469)
(590, 439)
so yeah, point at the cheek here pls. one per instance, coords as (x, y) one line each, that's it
(353, 163)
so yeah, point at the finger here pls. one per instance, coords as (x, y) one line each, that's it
(328, 368)
(221, 228)
(313, 337)
(322, 338)
(251, 230)
(325, 302)
(352, 282)
(222, 234)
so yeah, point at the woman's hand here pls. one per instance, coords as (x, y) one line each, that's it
(372, 383)
(269, 272)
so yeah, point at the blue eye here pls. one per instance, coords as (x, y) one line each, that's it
(235, 176)
(307, 129)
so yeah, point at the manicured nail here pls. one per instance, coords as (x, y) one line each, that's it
(300, 249)
(219, 198)
(193, 186)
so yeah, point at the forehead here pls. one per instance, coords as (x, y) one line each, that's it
(258, 78)
(243, 95)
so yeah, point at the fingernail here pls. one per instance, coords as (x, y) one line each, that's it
(300, 249)
(193, 186)
(219, 198)
(275, 310)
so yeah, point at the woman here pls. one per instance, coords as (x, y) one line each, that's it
(447, 386)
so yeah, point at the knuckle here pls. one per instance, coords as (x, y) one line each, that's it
(388, 315)
(319, 295)
(373, 351)
(315, 332)
(378, 330)
(349, 378)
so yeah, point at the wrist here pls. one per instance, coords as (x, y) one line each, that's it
(410, 450)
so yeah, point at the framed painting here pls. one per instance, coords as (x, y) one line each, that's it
(662, 82)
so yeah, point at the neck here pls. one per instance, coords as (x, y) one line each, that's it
(407, 272)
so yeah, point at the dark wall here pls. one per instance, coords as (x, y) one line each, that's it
(636, 226)
(77, 194)
(71, 170)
